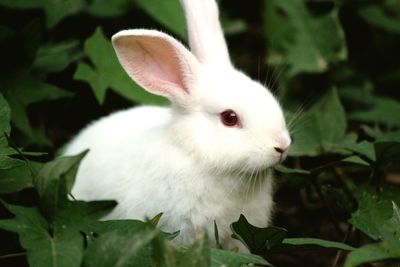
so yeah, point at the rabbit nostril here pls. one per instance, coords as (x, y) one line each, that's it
(278, 149)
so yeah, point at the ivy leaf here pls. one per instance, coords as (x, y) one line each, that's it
(107, 73)
(6, 162)
(369, 253)
(123, 227)
(374, 210)
(363, 148)
(115, 249)
(389, 235)
(17, 178)
(168, 13)
(384, 110)
(295, 171)
(384, 15)
(56, 241)
(166, 255)
(62, 247)
(221, 257)
(305, 42)
(354, 159)
(257, 239)
(105, 8)
(55, 10)
(56, 57)
(54, 181)
(303, 243)
(22, 91)
(66, 167)
(315, 133)
(265, 240)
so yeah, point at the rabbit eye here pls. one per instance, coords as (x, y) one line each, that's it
(230, 118)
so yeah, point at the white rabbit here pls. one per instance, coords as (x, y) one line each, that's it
(207, 156)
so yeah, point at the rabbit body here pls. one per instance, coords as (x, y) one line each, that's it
(206, 157)
(161, 177)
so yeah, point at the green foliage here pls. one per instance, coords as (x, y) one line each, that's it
(306, 43)
(379, 217)
(318, 134)
(167, 13)
(108, 73)
(385, 16)
(266, 240)
(336, 63)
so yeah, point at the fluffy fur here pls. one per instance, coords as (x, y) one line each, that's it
(181, 160)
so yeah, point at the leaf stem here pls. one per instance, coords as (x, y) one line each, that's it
(346, 239)
(12, 255)
(12, 145)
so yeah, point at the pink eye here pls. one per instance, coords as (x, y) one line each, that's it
(230, 118)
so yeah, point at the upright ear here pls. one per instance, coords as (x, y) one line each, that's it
(206, 37)
(158, 62)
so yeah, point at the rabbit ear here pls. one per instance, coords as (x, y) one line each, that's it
(157, 62)
(206, 37)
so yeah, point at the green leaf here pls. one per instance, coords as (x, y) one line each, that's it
(287, 170)
(61, 248)
(55, 10)
(66, 167)
(106, 8)
(369, 253)
(384, 110)
(235, 259)
(166, 255)
(385, 15)
(306, 43)
(269, 239)
(156, 219)
(314, 132)
(18, 178)
(116, 249)
(356, 160)
(123, 227)
(56, 57)
(168, 13)
(314, 242)
(80, 215)
(8, 163)
(23, 90)
(375, 209)
(196, 255)
(54, 181)
(388, 248)
(256, 239)
(107, 73)
(363, 148)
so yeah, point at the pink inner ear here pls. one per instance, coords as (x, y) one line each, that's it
(153, 63)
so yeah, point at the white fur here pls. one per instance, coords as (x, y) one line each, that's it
(206, 38)
(182, 160)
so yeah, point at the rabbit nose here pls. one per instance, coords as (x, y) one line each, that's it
(282, 147)
(280, 150)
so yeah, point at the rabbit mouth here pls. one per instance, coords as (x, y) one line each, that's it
(251, 167)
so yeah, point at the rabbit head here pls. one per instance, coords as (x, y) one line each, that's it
(220, 116)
